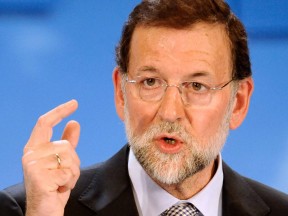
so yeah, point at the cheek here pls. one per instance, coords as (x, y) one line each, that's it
(205, 122)
(140, 114)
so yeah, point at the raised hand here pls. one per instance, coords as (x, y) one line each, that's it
(51, 169)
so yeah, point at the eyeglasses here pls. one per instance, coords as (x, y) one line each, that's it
(152, 89)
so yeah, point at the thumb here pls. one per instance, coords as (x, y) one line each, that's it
(71, 133)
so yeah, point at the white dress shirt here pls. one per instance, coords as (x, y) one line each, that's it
(152, 200)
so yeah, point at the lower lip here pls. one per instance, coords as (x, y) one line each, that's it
(168, 148)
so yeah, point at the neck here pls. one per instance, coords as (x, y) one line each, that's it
(191, 185)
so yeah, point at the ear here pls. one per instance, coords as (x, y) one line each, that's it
(242, 102)
(118, 93)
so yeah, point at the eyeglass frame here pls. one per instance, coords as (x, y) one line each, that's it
(179, 86)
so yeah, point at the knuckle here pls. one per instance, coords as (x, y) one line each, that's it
(58, 112)
(27, 157)
(58, 109)
(26, 149)
(42, 120)
(24, 159)
(29, 169)
(65, 175)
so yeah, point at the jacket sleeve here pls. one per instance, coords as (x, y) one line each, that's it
(12, 201)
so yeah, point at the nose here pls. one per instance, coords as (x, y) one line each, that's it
(171, 108)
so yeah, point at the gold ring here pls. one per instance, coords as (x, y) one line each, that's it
(58, 160)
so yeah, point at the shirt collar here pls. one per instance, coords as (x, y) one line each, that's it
(151, 199)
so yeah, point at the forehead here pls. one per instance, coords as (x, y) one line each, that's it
(203, 47)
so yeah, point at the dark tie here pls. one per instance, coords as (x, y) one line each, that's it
(182, 209)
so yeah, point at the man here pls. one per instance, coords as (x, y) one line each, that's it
(183, 80)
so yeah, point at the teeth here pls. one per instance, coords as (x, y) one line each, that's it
(170, 141)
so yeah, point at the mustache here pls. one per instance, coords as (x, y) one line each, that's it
(167, 127)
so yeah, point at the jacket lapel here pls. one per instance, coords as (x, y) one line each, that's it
(110, 191)
(238, 196)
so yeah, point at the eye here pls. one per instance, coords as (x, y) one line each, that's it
(196, 87)
(150, 82)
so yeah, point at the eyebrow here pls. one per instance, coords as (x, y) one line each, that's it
(198, 74)
(147, 69)
(193, 75)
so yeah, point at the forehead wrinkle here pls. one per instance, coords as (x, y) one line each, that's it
(166, 54)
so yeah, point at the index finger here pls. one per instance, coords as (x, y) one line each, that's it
(43, 129)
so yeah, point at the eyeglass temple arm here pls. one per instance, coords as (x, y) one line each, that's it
(130, 81)
(221, 87)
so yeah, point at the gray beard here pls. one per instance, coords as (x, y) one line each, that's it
(175, 168)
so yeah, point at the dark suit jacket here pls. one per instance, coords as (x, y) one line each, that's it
(105, 189)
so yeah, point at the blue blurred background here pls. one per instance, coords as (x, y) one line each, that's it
(54, 50)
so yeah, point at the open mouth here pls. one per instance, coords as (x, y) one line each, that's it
(168, 143)
(169, 140)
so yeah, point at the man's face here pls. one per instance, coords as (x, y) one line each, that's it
(173, 140)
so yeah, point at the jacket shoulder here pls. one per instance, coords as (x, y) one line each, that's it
(244, 196)
(12, 201)
(274, 198)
